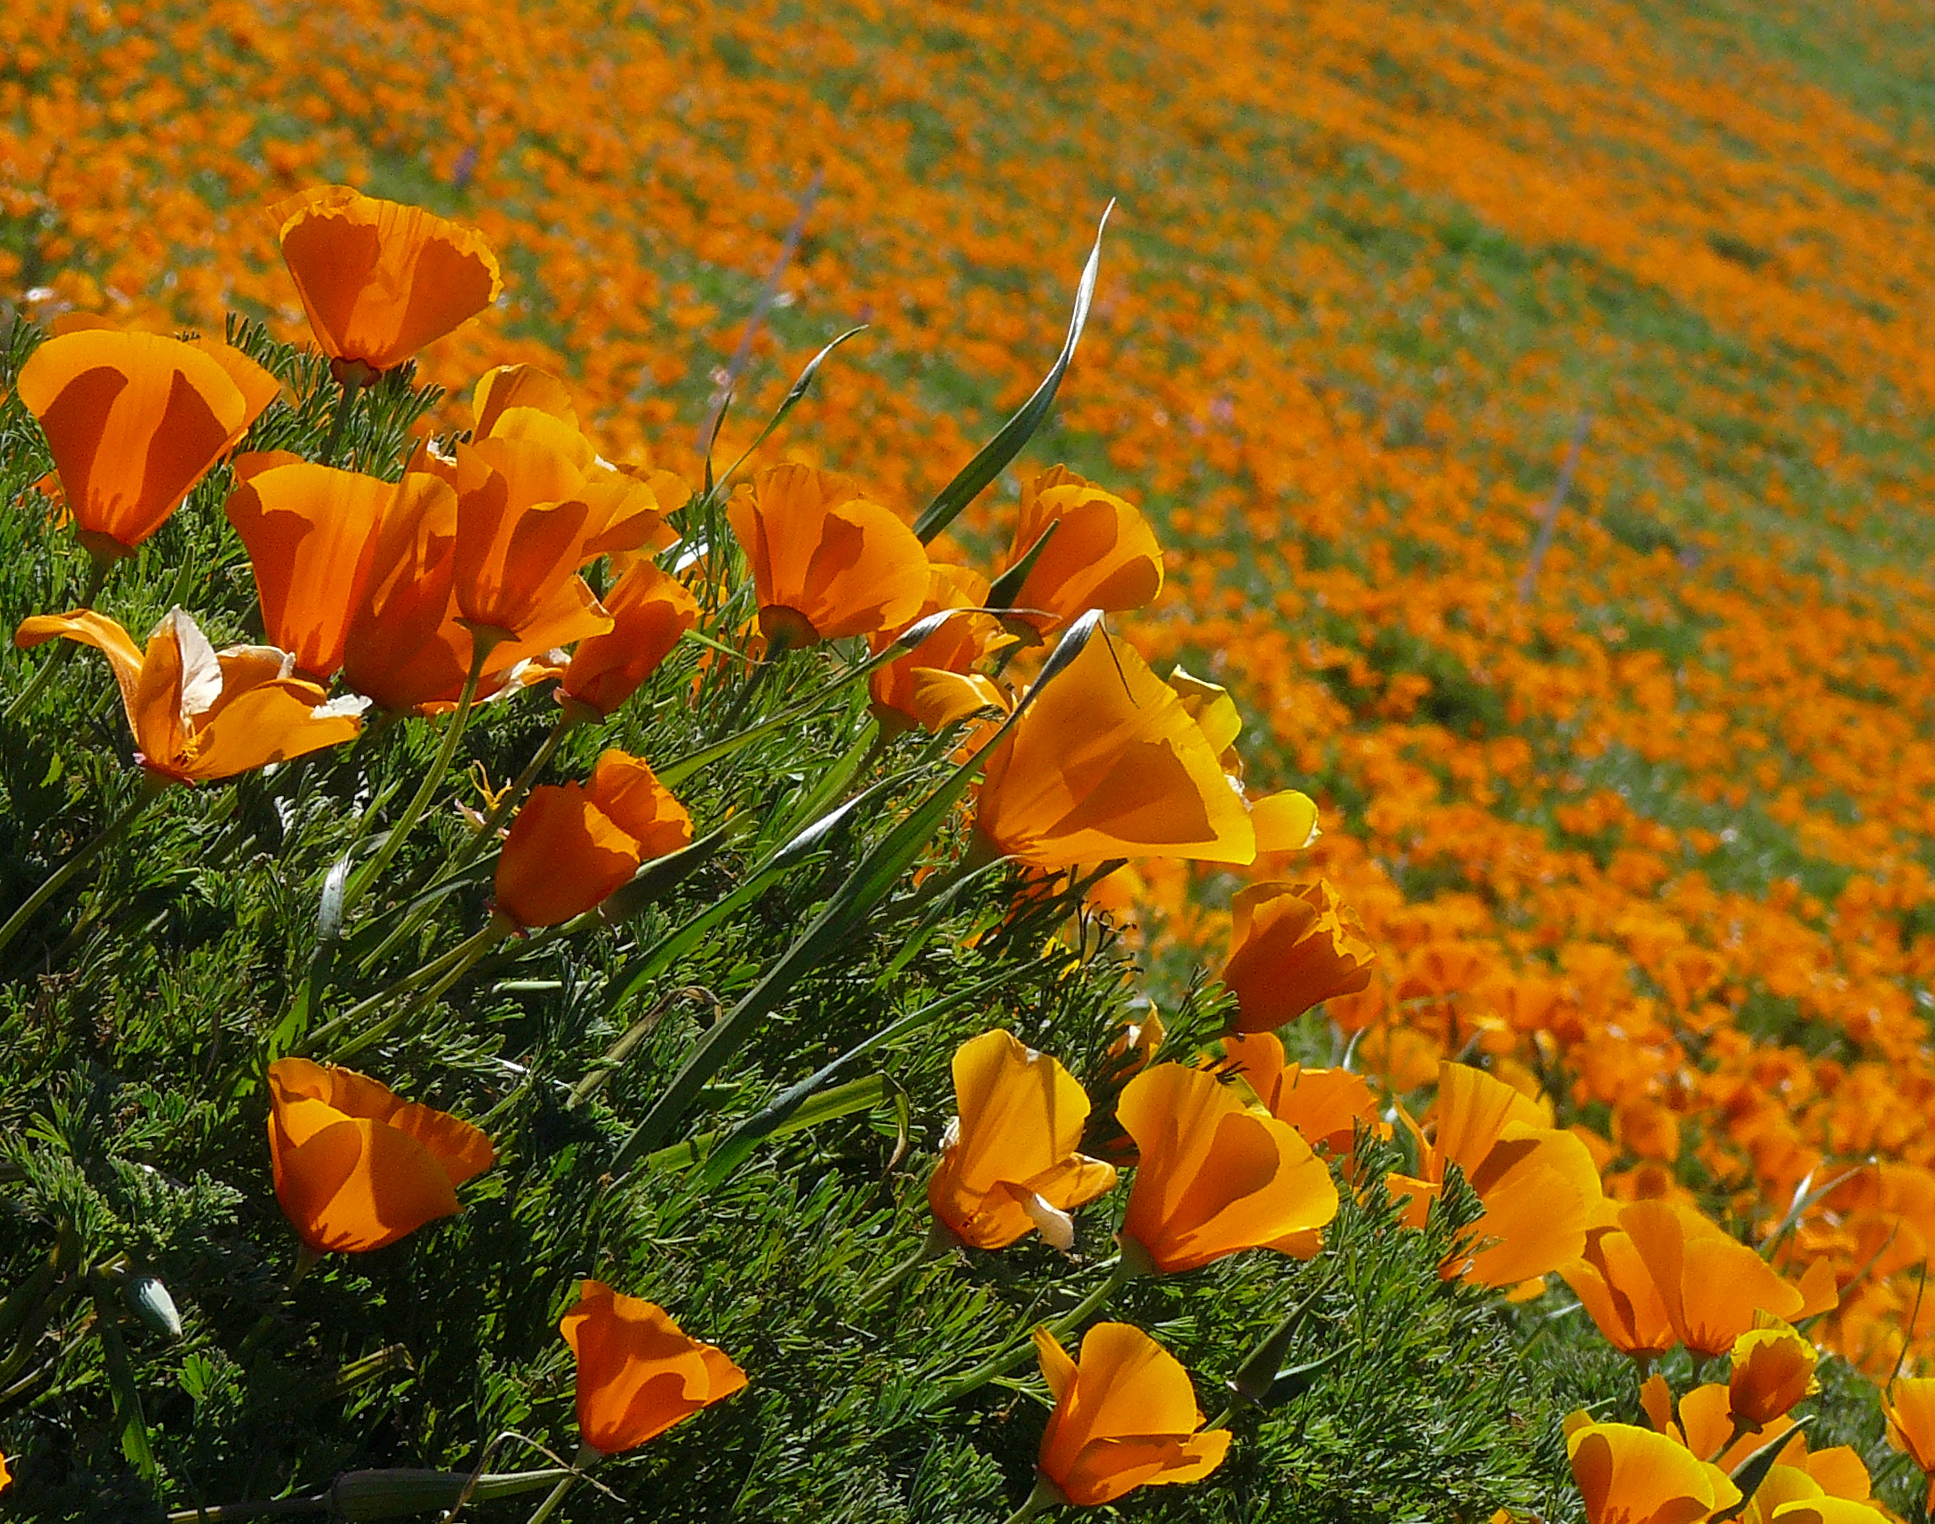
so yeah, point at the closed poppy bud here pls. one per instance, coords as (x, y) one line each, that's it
(199, 714)
(1125, 1417)
(1628, 1475)
(650, 611)
(1107, 763)
(310, 532)
(1216, 1176)
(380, 280)
(826, 563)
(1101, 553)
(1909, 1404)
(638, 1374)
(134, 421)
(356, 1167)
(1009, 1165)
(1773, 1368)
(1292, 946)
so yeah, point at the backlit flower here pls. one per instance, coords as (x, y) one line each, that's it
(1125, 1417)
(1909, 1404)
(1710, 1284)
(826, 563)
(1629, 1475)
(935, 684)
(380, 280)
(1617, 1291)
(356, 1167)
(1326, 1106)
(199, 714)
(572, 844)
(638, 1374)
(649, 611)
(134, 421)
(1107, 763)
(1010, 1165)
(1101, 554)
(1292, 946)
(1216, 1175)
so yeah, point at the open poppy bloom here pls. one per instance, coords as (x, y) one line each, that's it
(1539, 1186)
(649, 611)
(935, 684)
(1285, 821)
(199, 714)
(1711, 1285)
(1101, 553)
(1909, 1404)
(1629, 1475)
(1773, 1368)
(638, 1374)
(1613, 1284)
(1292, 946)
(1217, 1176)
(1326, 1106)
(1107, 763)
(310, 532)
(402, 645)
(1125, 1417)
(826, 563)
(572, 845)
(1706, 1425)
(134, 421)
(1009, 1164)
(380, 280)
(356, 1167)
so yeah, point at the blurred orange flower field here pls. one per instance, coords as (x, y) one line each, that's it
(1533, 403)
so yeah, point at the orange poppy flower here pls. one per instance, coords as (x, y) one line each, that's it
(1773, 1368)
(1125, 1417)
(1629, 1475)
(649, 611)
(571, 845)
(1292, 946)
(1326, 1106)
(1009, 1164)
(905, 690)
(1705, 1424)
(1102, 554)
(199, 714)
(1107, 763)
(638, 1374)
(356, 1167)
(1909, 1404)
(380, 280)
(402, 646)
(6, 1476)
(1216, 1176)
(1538, 1185)
(1617, 1291)
(310, 532)
(826, 562)
(134, 421)
(1710, 1284)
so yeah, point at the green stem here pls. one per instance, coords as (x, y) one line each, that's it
(152, 786)
(373, 869)
(1125, 1269)
(776, 648)
(1045, 1496)
(588, 1455)
(28, 696)
(352, 378)
(940, 1238)
(458, 961)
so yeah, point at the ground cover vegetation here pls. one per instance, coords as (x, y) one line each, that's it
(487, 979)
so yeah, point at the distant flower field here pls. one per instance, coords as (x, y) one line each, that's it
(553, 740)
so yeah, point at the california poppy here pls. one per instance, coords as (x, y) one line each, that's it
(1909, 1403)
(1107, 763)
(1009, 1164)
(1773, 1368)
(826, 563)
(638, 1374)
(1710, 1284)
(649, 611)
(134, 421)
(380, 280)
(571, 845)
(1125, 1417)
(1617, 1291)
(1326, 1106)
(1101, 553)
(1216, 1175)
(200, 714)
(1292, 946)
(310, 532)
(356, 1167)
(1707, 1425)
(905, 690)
(1629, 1475)
(402, 646)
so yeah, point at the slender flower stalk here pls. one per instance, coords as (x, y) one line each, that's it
(588, 1456)
(1045, 1496)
